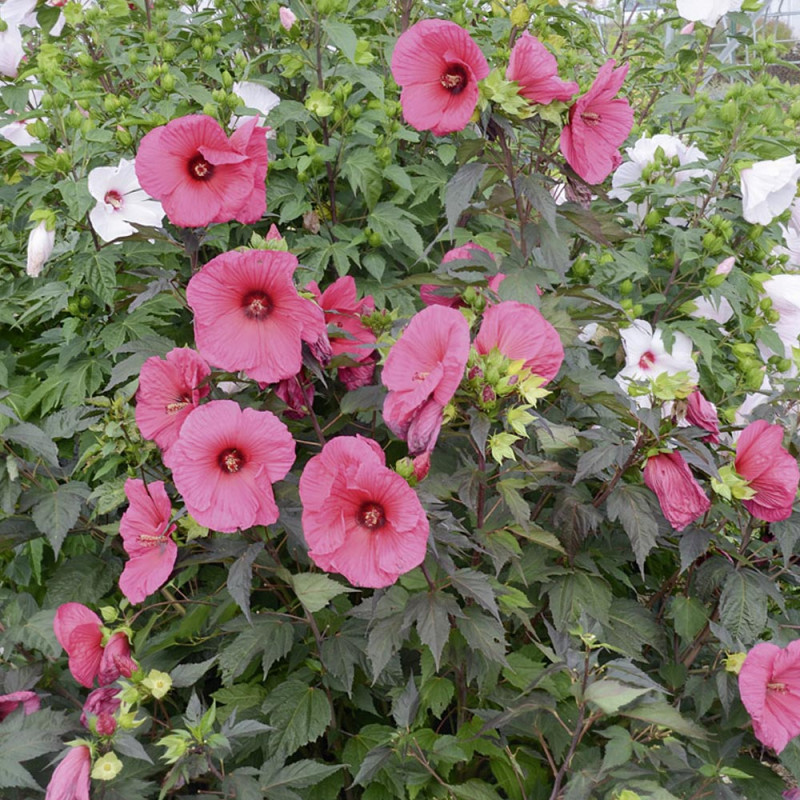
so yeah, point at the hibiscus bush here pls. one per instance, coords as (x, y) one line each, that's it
(399, 400)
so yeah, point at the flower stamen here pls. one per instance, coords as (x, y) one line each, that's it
(372, 516)
(454, 78)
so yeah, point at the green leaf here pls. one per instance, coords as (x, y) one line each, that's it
(240, 577)
(271, 636)
(665, 715)
(56, 512)
(315, 591)
(405, 705)
(299, 713)
(396, 225)
(631, 506)
(189, 674)
(571, 595)
(610, 695)
(297, 775)
(484, 635)
(474, 789)
(460, 189)
(475, 586)
(743, 606)
(36, 440)
(431, 612)
(343, 36)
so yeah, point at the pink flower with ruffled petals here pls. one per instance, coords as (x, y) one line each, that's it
(770, 470)
(433, 295)
(225, 462)
(769, 685)
(438, 67)
(598, 125)
(680, 496)
(535, 69)
(100, 701)
(29, 701)
(77, 629)
(425, 364)
(703, 414)
(199, 175)
(146, 537)
(70, 779)
(520, 332)
(248, 315)
(116, 660)
(360, 518)
(169, 390)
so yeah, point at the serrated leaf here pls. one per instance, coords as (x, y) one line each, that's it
(484, 634)
(315, 591)
(373, 761)
(609, 695)
(431, 613)
(571, 595)
(299, 713)
(57, 511)
(126, 744)
(474, 789)
(743, 606)
(396, 225)
(476, 586)
(189, 674)
(272, 637)
(405, 705)
(35, 439)
(631, 506)
(594, 461)
(459, 191)
(299, 775)
(240, 577)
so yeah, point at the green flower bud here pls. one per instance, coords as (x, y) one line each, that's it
(74, 118)
(110, 103)
(208, 52)
(151, 36)
(753, 379)
(210, 110)
(124, 137)
(167, 51)
(765, 304)
(168, 82)
(772, 316)
(3, 25)
(227, 79)
(85, 60)
(626, 287)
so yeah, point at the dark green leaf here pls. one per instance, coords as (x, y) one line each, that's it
(460, 189)
(240, 577)
(56, 512)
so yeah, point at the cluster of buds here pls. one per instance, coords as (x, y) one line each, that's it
(492, 377)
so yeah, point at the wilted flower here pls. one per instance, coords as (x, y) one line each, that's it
(680, 496)
(225, 462)
(598, 125)
(100, 701)
(535, 69)
(703, 414)
(29, 701)
(40, 247)
(768, 188)
(120, 202)
(361, 518)
(438, 67)
(769, 685)
(70, 779)
(146, 537)
(770, 470)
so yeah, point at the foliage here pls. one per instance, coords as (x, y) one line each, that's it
(561, 640)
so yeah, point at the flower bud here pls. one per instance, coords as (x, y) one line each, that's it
(287, 18)
(40, 247)
(106, 724)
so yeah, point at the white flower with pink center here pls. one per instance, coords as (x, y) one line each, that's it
(647, 357)
(121, 202)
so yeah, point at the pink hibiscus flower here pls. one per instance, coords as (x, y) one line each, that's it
(360, 518)
(519, 331)
(77, 629)
(100, 701)
(200, 176)
(225, 462)
(701, 413)
(29, 701)
(438, 67)
(680, 496)
(433, 295)
(116, 660)
(351, 337)
(248, 315)
(769, 684)
(598, 125)
(535, 69)
(70, 779)
(169, 390)
(422, 372)
(771, 471)
(146, 537)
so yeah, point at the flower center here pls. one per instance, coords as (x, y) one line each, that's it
(114, 199)
(419, 376)
(199, 168)
(257, 305)
(230, 460)
(774, 686)
(454, 78)
(177, 405)
(591, 118)
(372, 516)
(647, 360)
